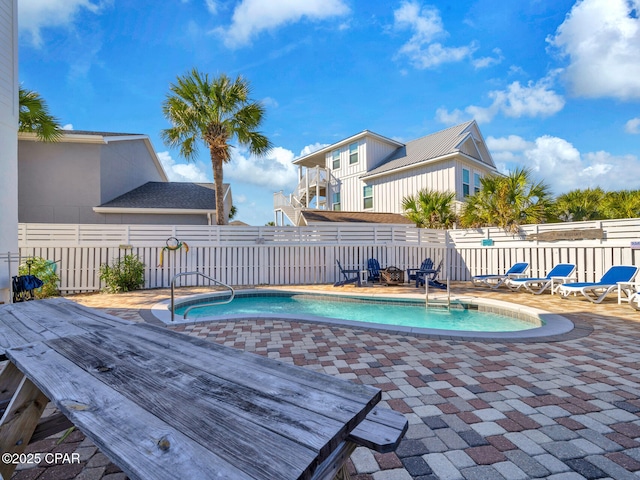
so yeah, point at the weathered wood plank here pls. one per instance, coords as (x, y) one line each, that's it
(28, 322)
(238, 420)
(382, 430)
(250, 371)
(19, 421)
(187, 345)
(137, 441)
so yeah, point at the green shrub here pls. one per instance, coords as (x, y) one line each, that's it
(45, 270)
(124, 275)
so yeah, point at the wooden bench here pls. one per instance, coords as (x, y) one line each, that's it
(154, 400)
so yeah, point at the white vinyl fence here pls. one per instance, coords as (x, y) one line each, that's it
(233, 255)
(308, 255)
(592, 257)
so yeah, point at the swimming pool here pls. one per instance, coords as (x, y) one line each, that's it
(387, 312)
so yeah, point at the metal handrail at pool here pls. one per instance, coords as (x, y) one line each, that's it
(217, 282)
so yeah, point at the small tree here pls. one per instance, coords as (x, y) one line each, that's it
(430, 209)
(580, 205)
(508, 202)
(126, 274)
(621, 204)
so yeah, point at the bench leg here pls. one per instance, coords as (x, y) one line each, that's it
(10, 379)
(20, 418)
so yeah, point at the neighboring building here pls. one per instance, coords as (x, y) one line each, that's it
(371, 173)
(169, 203)
(99, 177)
(8, 142)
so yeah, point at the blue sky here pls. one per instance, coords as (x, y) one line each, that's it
(553, 84)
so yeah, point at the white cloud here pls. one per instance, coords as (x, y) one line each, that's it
(450, 118)
(531, 100)
(212, 6)
(562, 166)
(426, 25)
(274, 170)
(485, 62)
(314, 147)
(183, 172)
(34, 15)
(602, 40)
(251, 17)
(270, 102)
(633, 126)
(68, 126)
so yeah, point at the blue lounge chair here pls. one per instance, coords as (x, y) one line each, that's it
(349, 276)
(494, 281)
(427, 264)
(596, 291)
(562, 272)
(373, 268)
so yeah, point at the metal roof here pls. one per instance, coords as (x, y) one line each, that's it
(435, 145)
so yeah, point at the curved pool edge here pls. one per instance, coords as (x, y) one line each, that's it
(553, 325)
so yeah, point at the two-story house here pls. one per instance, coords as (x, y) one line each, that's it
(368, 172)
(106, 177)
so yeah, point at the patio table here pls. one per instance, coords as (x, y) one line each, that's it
(164, 405)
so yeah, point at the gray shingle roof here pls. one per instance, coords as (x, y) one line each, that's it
(353, 217)
(179, 195)
(431, 146)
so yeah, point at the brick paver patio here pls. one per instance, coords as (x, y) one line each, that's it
(566, 409)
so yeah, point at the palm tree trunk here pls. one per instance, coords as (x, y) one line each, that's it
(221, 218)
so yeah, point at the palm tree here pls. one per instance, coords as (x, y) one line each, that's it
(216, 111)
(580, 205)
(621, 204)
(430, 209)
(508, 202)
(34, 116)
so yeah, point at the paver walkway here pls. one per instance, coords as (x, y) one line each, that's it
(477, 410)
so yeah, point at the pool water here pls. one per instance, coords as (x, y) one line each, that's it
(406, 314)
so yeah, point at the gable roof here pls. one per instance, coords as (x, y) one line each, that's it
(166, 196)
(316, 216)
(318, 157)
(453, 140)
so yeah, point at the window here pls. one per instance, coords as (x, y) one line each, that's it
(368, 197)
(476, 182)
(465, 182)
(336, 159)
(336, 201)
(353, 153)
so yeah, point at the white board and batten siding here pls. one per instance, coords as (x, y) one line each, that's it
(388, 191)
(375, 151)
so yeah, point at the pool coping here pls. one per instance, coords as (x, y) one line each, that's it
(554, 326)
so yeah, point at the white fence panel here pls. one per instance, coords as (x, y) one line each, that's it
(307, 255)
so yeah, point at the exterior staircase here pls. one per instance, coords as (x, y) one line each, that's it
(312, 186)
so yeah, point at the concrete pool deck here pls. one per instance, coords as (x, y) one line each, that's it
(562, 407)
